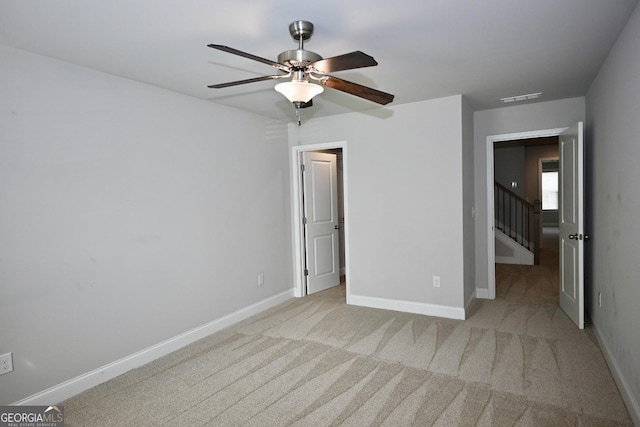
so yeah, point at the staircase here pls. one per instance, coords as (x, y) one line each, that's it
(517, 224)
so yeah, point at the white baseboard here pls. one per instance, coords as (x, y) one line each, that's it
(70, 388)
(408, 306)
(482, 293)
(633, 406)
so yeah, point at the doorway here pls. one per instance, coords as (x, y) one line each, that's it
(527, 199)
(298, 229)
(491, 140)
(571, 210)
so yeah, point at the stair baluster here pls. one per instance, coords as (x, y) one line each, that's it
(518, 219)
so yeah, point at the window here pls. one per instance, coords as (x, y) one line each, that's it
(550, 191)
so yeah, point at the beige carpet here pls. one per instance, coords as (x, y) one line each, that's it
(517, 360)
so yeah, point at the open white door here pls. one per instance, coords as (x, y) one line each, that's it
(321, 221)
(571, 223)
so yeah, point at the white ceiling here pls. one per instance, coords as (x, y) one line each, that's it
(483, 49)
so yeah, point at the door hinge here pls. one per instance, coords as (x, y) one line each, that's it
(306, 272)
(304, 220)
(301, 168)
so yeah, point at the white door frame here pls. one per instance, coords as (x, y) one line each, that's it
(491, 250)
(299, 289)
(541, 162)
(322, 225)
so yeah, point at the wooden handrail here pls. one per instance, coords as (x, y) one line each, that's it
(514, 195)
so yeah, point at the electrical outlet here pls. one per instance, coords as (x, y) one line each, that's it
(436, 281)
(599, 299)
(6, 363)
(260, 279)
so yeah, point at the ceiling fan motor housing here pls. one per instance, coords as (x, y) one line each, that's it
(298, 58)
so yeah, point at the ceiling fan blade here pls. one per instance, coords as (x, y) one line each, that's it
(241, 82)
(250, 56)
(357, 90)
(348, 61)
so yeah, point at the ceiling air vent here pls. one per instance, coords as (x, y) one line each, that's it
(519, 98)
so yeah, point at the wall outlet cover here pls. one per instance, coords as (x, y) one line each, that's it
(6, 363)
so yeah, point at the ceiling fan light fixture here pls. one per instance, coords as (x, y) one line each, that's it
(299, 90)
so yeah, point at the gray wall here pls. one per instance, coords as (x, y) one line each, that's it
(613, 203)
(508, 165)
(128, 215)
(405, 198)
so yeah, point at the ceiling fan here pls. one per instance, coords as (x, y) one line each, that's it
(309, 72)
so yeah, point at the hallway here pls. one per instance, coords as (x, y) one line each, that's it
(540, 281)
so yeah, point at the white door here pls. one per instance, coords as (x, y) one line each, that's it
(571, 190)
(320, 217)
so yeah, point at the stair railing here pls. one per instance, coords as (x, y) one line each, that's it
(518, 219)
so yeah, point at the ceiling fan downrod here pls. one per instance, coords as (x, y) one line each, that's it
(299, 58)
(301, 31)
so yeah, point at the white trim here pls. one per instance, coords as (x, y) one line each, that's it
(491, 251)
(70, 388)
(542, 160)
(519, 254)
(491, 243)
(296, 206)
(409, 307)
(633, 406)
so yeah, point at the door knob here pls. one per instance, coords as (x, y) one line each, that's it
(586, 237)
(336, 227)
(573, 236)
